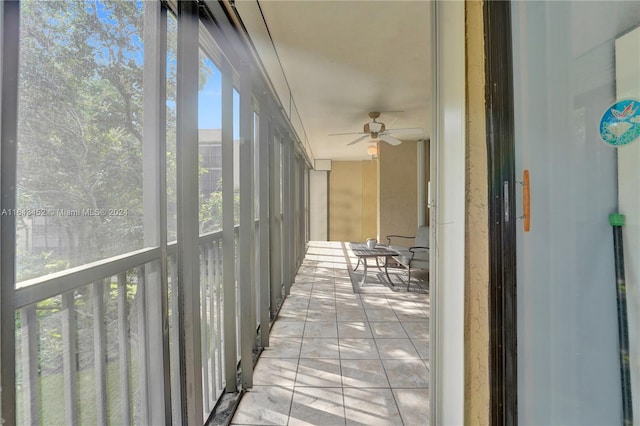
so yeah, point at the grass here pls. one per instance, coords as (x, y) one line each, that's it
(52, 402)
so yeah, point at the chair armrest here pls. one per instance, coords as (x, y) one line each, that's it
(398, 236)
(418, 249)
(415, 249)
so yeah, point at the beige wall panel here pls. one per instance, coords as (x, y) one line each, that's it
(345, 201)
(476, 307)
(398, 190)
(369, 199)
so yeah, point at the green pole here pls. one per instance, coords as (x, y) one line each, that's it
(617, 222)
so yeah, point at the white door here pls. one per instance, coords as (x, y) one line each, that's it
(564, 80)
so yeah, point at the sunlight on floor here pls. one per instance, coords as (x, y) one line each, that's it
(341, 358)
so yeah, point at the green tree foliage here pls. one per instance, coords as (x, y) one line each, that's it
(80, 126)
(80, 122)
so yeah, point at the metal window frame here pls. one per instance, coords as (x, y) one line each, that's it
(275, 224)
(503, 362)
(155, 212)
(8, 157)
(263, 207)
(246, 243)
(228, 230)
(187, 211)
(287, 249)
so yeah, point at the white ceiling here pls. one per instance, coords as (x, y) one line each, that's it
(343, 59)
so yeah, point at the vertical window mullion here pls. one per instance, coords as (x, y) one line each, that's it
(274, 222)
(247, 229)
(228, 231)
(155, 213)
(286, 214)
(10, 15)
(188, 220)
(263, 158)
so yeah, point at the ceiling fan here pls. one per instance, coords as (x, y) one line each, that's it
(377, 130)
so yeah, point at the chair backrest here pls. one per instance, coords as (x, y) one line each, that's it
(422, 236)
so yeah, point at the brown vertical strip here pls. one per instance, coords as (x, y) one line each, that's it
(476, 306)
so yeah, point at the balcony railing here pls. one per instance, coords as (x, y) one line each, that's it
(84, 345)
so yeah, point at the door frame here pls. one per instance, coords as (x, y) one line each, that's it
(447, 213)
(503, 367)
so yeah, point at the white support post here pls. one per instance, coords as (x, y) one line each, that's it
(263, 157)
(188, 219)
(155, 212)
(274, 221)
(247, 230)
(228, 232)
(286, 214)
(446, 275)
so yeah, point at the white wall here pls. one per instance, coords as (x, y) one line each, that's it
(448, 217)
(628, 86)
(318, 205)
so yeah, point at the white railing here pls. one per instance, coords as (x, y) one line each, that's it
(82, 338)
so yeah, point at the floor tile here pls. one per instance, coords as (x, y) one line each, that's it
(416, 330)
(413, 405)
(387, 330)
(351, 314)
(385, 315)
(317, 406)
(370, 407)
(321, 329)
(358, 349)
(347, 301)
(411, 315)
(354, 329)
(292, 315)
(422, 346)
(275, 371)
(319, 373)
(319, 347)
(284, 328)
(283, 347)
(296, 302)
(339, 358)
(264, 405)
(375, 302)
(406, 373)
(402, 304)
(318, 314)
(396, 349)
(363, 373)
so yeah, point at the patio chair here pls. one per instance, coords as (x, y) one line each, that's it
(414, 257)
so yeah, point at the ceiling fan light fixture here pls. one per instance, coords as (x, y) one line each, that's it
(375, 127)
(372, 150)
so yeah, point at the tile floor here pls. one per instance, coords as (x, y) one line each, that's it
(339, 358)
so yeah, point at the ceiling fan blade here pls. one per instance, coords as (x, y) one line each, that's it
(405, 131)
(352, 133)
(390, 140)
(359, 139)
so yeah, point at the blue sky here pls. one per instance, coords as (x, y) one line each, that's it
(210, 103)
